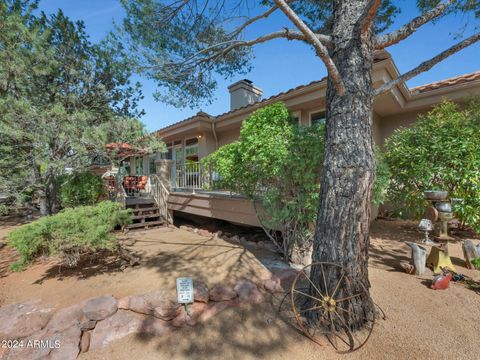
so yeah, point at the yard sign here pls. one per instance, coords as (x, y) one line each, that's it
(185, 290)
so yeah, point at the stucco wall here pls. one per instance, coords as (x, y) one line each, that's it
(229, 136)
(390, 123)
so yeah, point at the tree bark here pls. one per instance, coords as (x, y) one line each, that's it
(348, 176)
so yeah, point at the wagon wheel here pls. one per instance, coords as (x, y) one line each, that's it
(329, 307)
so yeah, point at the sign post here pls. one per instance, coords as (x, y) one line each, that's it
(185, 291)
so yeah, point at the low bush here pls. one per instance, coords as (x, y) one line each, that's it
(81, 189)
(441, 151)
(4, 210)
(69, 234)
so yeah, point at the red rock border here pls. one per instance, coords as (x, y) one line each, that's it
(40, 332)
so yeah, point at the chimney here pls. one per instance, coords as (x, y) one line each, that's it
(243, 93)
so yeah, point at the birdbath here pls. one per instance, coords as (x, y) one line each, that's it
(439, 213)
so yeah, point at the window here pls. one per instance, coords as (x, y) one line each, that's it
(191, 150)
(167, 155)
(139, 166)
(151, 163)
(296, 117)
(317, 118)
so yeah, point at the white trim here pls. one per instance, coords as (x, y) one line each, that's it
(298, 114)
(314, 111)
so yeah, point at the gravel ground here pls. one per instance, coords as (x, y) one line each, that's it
(421, 323)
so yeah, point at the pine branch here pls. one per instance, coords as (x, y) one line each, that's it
(370, 11)
(427, 65)
(406, 30)
(312, 38)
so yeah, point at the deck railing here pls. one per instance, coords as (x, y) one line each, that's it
(160, 194)
(190, 175)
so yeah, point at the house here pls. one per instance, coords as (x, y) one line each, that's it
(195, 137)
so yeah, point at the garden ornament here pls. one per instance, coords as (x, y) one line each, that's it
(469, 253)
(419, 254)
(426, 226)
(441, 282)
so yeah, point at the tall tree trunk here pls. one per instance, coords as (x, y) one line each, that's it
(52, 192)
(342, 230)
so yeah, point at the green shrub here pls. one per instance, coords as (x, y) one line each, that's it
(4, 210)
(476, 263)
(382, 178)
(439, 152)
(277, 163)
(70, 233)
(81, 189)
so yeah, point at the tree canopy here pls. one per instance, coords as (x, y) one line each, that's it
(61, 99)
(194, 40)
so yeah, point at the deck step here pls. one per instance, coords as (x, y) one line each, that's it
(142, 210)
(146, 216)
(146, 224)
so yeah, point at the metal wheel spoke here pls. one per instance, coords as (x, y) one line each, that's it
(348, 329)
(310, 309)
(338, 284)
(349, 297)
(311, 282)
(324, 280)
(336, 335)
(307, 295)
(324, 317)
(349, 312)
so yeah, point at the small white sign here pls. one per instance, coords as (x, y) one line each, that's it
(185, 290)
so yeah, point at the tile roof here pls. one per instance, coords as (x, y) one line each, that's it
(447, 82)
(379, 57)
(199, 114)
(273, 97)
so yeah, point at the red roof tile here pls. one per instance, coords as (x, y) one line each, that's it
(447, 82)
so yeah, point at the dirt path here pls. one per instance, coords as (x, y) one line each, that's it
(167, 253)
(421, 323)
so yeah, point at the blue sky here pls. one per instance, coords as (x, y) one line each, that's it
(280, 65)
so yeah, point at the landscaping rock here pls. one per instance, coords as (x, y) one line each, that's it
(273, 285)
(87, 324)
(221, 292)
(154, 326)
(285, 276)
(235, 239)
(139, 304)
(166, 311)
(46, 345)
(195, 311)
(124, 303)
(157, 297)
(248, 292)
(213, 309)
(200, 291)
(121, 324)
(22, 320)
(85, 341)
(124, 323)
(100, 308)
(68, 317)
(268, 245)
(203, 232)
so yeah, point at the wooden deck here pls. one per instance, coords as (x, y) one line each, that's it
(215, 204)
